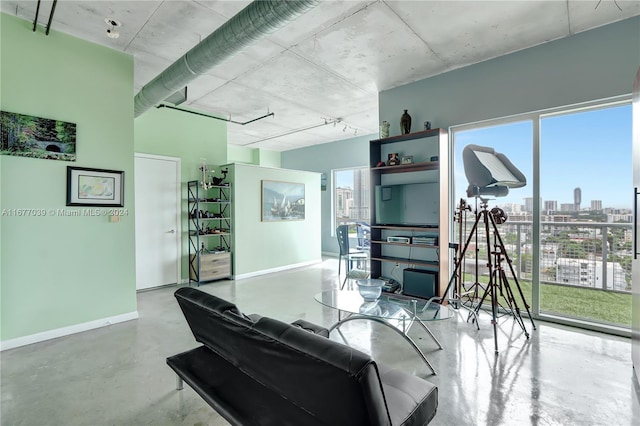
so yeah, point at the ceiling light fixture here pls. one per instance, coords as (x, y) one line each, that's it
(113, 24)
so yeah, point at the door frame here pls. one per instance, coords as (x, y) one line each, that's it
(178, 162)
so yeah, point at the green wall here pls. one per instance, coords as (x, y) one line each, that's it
(191, 138)
(255, 156)
(59, 271)
(260, 247)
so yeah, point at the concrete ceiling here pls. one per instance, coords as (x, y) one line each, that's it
(329, 64)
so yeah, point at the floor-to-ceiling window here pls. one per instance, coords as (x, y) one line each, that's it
(513, 139)
(570, 247)
(585, 234)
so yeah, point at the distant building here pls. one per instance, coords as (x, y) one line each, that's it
(577, 199)
(344, 201)
(550, 207)
(528, 204)
(596, 205)
(567, 207)
(626, 218)
(588, 273)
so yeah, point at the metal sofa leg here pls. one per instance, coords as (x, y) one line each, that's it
(179, 383)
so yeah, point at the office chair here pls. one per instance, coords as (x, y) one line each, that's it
(349, 257)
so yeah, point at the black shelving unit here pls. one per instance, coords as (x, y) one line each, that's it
(209, 232)
(430, 151)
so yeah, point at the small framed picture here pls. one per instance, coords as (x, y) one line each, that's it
(95, 187)
(407, 159)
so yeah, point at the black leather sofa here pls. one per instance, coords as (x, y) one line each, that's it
(260, 371)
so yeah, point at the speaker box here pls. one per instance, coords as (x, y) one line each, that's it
(420, 283)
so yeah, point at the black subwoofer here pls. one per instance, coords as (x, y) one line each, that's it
(420, 283)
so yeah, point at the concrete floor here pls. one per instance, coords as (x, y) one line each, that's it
(117, 375)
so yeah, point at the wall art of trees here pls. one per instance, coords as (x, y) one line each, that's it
(36, 137)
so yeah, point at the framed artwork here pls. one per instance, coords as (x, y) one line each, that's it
(37, 137)
(407, 159)
(282, 201)
(95, 187)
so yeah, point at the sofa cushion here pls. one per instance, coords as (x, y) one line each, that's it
(411, 400)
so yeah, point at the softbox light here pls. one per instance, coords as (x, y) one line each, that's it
(489, 172)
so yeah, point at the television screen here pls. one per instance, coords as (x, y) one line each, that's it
(412, 204)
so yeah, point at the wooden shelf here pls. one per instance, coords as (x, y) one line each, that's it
(408, 228)
(406, 245)
(403, 168)
(405, 261)
(409, 136)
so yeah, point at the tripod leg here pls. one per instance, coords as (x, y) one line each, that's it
(513, 273)
(513, 304)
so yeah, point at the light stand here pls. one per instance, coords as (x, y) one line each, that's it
(489, 173)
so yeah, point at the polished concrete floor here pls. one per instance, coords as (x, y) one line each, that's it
(117, 375)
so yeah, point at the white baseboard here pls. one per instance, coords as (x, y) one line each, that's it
(65, 331)
(278, 269)
(330, 254)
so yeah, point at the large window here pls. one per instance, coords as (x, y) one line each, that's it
(350, 196)
(568, 230)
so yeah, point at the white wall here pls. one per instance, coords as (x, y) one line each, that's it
(261, 247)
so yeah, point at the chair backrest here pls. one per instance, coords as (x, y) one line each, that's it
(363, 241)
(342, 232)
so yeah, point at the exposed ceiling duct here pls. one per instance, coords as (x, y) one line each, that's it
(255, 21)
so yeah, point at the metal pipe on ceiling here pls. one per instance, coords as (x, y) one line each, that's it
(255, 21)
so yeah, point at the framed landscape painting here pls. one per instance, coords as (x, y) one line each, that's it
(282, 201)
(37, 137)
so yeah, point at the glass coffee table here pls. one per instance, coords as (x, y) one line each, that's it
(395, 311)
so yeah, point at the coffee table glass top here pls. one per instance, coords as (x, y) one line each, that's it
(387, 306)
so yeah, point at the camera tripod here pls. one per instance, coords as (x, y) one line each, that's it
(498, 285)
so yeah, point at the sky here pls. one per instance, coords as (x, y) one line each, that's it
(590, 150)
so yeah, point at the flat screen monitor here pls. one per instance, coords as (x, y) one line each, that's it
(412, 204)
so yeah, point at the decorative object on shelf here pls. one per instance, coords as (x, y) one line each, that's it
(282, 201)
(405, 123)
(380, 164)
(219, 181)
(407, 159)
(37, 137)
(393, 159)
(434, 158)
(95, 187)
(384, 129)
(427, 125)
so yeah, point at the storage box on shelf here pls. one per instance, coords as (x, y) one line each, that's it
(410, 207)
(209, 232)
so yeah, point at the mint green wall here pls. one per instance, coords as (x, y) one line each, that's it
(241, 154)
(270, 158)
(255, 156)
(263, 246)
(189, 137)
(60, 271)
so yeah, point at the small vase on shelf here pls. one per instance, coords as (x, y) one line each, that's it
(384, 129)
(405, 123)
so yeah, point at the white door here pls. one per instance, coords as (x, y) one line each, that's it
(157, 184)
